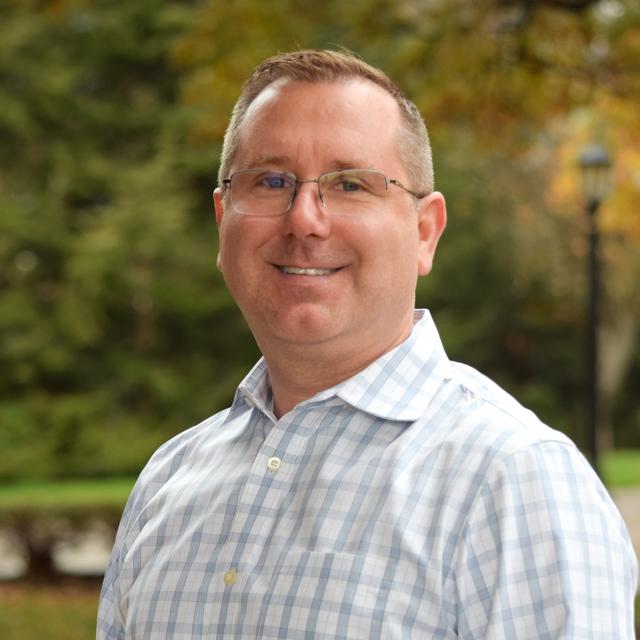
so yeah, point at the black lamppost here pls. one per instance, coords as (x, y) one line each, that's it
(595, 166)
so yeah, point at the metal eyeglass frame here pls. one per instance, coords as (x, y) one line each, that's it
(227, 182)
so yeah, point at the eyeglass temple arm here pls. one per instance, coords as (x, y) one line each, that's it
(418, 195)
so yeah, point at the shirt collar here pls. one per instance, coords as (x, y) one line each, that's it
(254, 391)
(402, 382)
(399, 385)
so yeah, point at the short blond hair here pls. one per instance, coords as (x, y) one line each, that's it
(318, 65)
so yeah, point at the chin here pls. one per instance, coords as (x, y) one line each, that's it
(306, 324)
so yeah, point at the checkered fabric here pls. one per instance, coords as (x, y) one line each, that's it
(414, 500)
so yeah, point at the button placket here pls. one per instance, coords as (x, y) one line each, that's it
(258, 505)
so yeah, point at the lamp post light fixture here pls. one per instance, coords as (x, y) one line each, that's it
(595, 166)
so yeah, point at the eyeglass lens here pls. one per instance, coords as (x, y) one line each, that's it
(269, 193)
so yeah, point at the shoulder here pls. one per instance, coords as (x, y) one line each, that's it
(494, 419)
(529, 480)
(538, 526)
(180, 451)
(172, 453)
(486, 441)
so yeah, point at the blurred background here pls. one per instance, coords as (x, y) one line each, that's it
(116, 330)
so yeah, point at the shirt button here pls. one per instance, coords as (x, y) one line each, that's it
(273, 464)
(230, 577)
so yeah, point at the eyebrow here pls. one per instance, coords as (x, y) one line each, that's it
(283, 161)
(343, 165)
(265, 161)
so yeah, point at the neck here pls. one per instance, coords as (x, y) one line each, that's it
(294, 381)
(299, 372)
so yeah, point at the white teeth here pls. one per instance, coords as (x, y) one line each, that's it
(306, 272)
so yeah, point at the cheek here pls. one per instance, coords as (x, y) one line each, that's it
(235, 236)
(229, 248)
(402, 257)
(240, 245)
(389, 258)
(395, 241)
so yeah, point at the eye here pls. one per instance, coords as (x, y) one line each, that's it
(347, 182)
(275, 181)
(350, 185)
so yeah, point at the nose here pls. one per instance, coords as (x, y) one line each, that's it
(307, 215)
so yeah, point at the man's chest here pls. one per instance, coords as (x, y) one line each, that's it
(322, 540)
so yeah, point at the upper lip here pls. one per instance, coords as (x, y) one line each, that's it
(308, 262)
(304, 266)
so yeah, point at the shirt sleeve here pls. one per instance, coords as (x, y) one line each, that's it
(545, 553)
(110, 624)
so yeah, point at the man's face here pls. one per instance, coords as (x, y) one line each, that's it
(360, 297)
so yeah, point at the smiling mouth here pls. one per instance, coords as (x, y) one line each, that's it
(299, 271)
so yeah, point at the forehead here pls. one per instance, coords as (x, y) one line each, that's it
(352, 122)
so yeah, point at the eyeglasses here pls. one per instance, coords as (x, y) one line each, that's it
(261, 192)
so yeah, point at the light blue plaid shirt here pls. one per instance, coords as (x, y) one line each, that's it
(414, 500)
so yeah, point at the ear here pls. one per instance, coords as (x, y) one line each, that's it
(432, 219)
(217, 205)
(218, 209)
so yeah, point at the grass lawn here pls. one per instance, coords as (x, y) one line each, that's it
(65, 613)
(621, 468)
(109, 492)
(68, 611)
(48, 612)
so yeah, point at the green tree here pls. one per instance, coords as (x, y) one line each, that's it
(500, 83)
(117, 331)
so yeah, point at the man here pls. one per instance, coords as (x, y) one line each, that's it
(361, 485)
